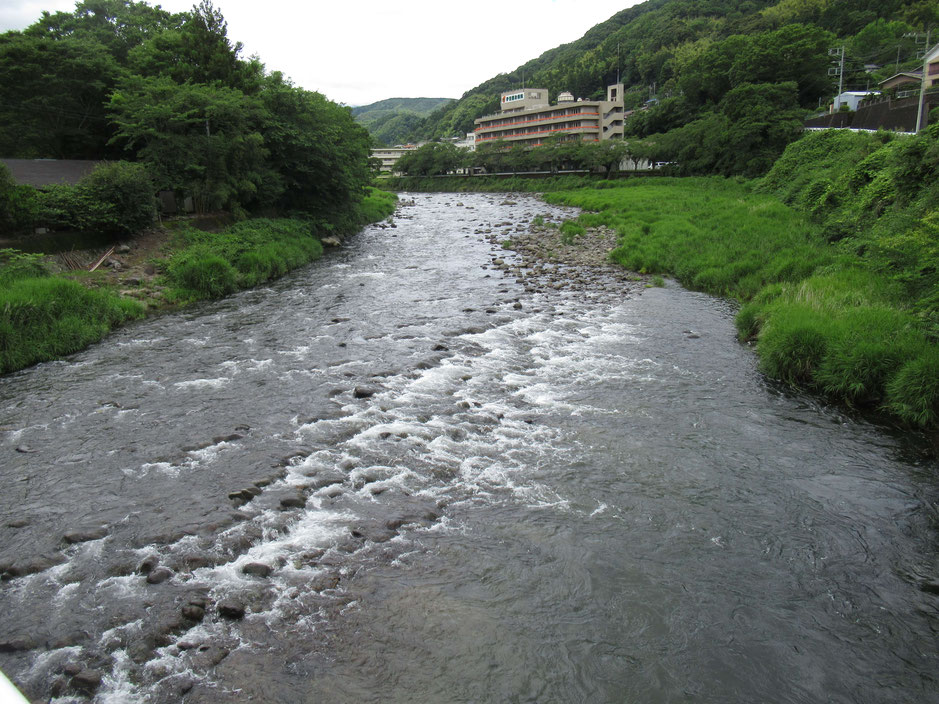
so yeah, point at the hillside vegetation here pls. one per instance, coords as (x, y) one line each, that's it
(391, 121)
(723, 74)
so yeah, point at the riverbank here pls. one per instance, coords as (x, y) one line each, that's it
(47, 312)
(820, 319)
(836, 283)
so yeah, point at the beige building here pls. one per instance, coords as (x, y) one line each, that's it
(931, 64)
(527, 118)
(388, 156)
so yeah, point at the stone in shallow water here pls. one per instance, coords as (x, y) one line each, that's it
(193, 612)
(159, 575)
(83, 535)
(293, 502)
(257, 569)
(231, 608)
(87, 680)
(16, 645)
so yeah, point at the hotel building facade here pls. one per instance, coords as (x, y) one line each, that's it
(527, 118)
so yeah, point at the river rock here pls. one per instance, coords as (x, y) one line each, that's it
(231, 608)
(930, 587)
(257, 569)
(83, 535)
(159, 575)
(16, 644)
(325, 479)
(148, 564)
(193, 612)
(293, 502)
(32, 565)
(364, 391)
(87, 681)
(329, 580)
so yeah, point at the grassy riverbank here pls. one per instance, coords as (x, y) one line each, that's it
(214, 264)
(839, 291)
(45, 316)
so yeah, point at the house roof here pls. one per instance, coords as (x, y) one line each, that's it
(916, 75)
(47, 172)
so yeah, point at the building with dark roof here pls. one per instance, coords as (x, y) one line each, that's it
(49, 172)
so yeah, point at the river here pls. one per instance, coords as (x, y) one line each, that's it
(427, 479)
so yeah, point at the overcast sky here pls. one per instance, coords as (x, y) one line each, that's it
(360, 51)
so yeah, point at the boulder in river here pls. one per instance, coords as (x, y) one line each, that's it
(364, 391)
(257, 569)
(87, 681)
(159, 575)
(293, 502)
(83, 535)
(231, 608)
(193, 612)
(16, 644)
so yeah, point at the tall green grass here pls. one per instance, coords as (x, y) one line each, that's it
(43, 318)
(209, 265)
(824, 318)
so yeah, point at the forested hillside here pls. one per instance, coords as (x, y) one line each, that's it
(718, 72)
(392, 120)
(119, 79)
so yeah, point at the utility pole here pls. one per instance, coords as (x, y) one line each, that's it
(922, 85)
(839, 69)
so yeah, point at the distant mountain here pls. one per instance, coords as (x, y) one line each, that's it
(390, 121)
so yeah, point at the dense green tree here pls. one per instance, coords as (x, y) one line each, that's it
(196, 138)
(118, 25)
(432, 159)
(743, 135)
(319, 152)
(52, 95)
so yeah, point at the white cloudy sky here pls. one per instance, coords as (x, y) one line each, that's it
(360, 51)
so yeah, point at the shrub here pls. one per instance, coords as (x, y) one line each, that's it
(570, 230)
(116, 198)
(128, 191)
(20, 265)
(18, 204)
(202, 274)
(913, 394)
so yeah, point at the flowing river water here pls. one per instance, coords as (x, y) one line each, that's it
(425, 479)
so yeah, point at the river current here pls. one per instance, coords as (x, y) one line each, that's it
(424, 478)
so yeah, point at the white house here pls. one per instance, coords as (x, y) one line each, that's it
(851, 98)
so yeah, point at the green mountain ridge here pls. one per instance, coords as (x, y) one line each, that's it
(662, 48)
(390, 121)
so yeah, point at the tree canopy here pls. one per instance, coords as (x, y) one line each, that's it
(121, 79)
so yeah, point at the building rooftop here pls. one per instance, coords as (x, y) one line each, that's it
(48, 172)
